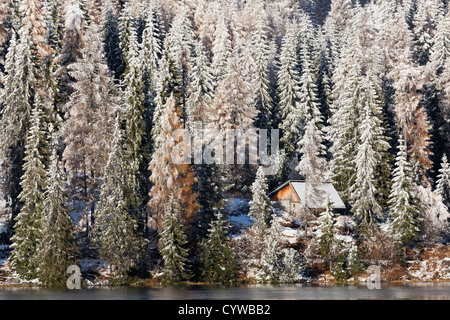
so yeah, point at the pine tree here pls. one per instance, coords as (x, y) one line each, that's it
(270, 259)
(172, 244)
(126, 25)
(308, 99)
(202, 88)
(58, 248)
(72, 48)
(423, 31)
(167, 84)
(210, 198)
(115, 229)
(365, 202)
(28, 227)
(180, 44)
(233, 109)
(443, 182)
(354, 260)
(313, 165)
(329, 245)
(260, 206)
(168, 177)
(412, 119)
(151, 44)
(15, 113)
(88, 128)
(403, 210)
(135, 142)
(54, 24)
(441, 48)
(218, 262)
(221, 49)
(261, 81)
(111, 36)
(293, 265)
(288, 90)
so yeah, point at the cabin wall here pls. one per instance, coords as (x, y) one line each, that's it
(285, 194)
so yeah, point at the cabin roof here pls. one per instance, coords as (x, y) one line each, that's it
(319, 202)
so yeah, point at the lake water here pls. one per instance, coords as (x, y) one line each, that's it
(409, 291)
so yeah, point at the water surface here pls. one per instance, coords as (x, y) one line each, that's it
(408, 291)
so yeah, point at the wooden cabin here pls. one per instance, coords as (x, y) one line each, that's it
(291, 196)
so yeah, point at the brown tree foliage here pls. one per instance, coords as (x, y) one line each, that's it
(168, 176)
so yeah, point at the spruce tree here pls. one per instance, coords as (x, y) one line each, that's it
(172, 244)
(292, 266)
(443, 181)
(441, 48)
(28, 227)
(115, 229)
(58, 248)
(269, 270)
(354, 260)
(135, 142)
(111, 38)
(261, 82)
(88, 129)
(218, 262)
(403, 210)
(260, 206)
(364, 198)
(329, 245)
(151, 44)
(201, 90)
(313, 165)
(288, 90)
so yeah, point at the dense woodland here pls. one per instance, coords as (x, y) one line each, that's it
(91, 92)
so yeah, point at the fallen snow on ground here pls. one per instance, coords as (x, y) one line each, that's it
(431, 269)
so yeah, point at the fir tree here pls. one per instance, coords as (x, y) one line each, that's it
(329, 245)
(403, 210)
(288, 90)
(218, 261)
(202, 88)
(260, 206)
(115, 229)
(135, 142)
(58, 248)
(111, 36)
(71, 50)
(172, 244)
(126, 25)
(151, 44)
(354, 260)
(28, 227)
(261, 81)
(443, 182)
(313, 165)
(365, 202)
(88, 129)
(292, 266)
(441, 47)
(221, 50)
(270, 259)
(423, 33)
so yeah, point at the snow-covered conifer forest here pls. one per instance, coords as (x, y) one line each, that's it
(91, 92)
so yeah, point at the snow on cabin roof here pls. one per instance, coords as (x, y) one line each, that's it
(319, 202)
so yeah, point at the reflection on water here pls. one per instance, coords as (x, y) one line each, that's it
(412, 291)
